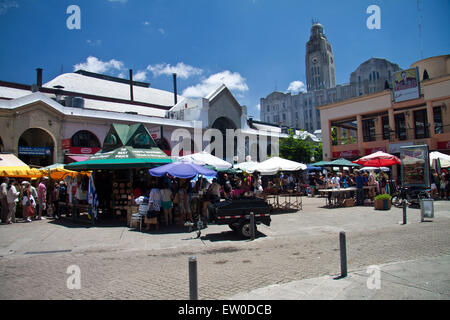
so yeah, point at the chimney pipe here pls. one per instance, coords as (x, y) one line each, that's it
(175, 88)
(39, 77)
(131, 84)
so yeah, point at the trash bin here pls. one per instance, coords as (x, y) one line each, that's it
(426, 208)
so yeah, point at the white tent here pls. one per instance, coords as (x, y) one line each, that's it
(444, 159)
(248, 166)
(204, 158)
(272, 165)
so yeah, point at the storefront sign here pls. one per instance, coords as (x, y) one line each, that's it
(346, 154)
(373, 150)
(415, 166)
(83, 150)
(35, 151)
(443, 144)
(406, 85)
(155, 132)
(66, 144)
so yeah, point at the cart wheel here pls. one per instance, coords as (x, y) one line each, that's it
(244, 229)
(233, 226)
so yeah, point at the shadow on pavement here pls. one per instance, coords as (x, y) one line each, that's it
(229, 236)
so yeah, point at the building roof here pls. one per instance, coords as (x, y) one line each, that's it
(35, 97)
(81, 83)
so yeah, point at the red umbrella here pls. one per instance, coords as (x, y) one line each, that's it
(378, 159)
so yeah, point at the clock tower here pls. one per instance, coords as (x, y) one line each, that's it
(319, 59)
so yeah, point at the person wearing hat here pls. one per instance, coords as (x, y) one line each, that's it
(13, 198)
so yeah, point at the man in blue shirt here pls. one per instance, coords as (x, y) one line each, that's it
(359, 180)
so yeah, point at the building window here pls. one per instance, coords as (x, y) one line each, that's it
(284, 117)
(386, 128)
(437, 116)
(85, 138)
(400, 126)
(296, 115)
(368, 130)
(421, 124)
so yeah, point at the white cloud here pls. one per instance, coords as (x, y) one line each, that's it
(5, 5)
(121, 1)
(140, 76)
(93, 64)
(182, 70)
(233, 81)
(146, 23)
(162, 31)
(297, 86)
(258, 107)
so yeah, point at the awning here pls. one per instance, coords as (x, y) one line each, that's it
(77, 157)
(122, 158)
(20, 172)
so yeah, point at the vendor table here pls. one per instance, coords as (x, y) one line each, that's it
(285, 201)
(337, 195)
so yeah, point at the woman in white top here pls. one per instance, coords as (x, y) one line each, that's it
(154, 202)
(13, 198)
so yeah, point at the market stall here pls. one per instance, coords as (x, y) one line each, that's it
(120, 169)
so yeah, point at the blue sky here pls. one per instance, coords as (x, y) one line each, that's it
(253, 46)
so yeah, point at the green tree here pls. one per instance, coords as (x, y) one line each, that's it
(299, 150)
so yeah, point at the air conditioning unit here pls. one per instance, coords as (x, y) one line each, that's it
(77, 102)
(68, 101)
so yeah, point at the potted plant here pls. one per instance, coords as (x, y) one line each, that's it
(383, 202)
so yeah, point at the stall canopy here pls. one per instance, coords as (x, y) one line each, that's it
(385, 169)
(57, 172)
(343, 163)
(313, 168)
(181, 170)
(125, 146)
(205, 158)
(11, 166)
(444, 159)
(247, 166)
(320, 163)
(378, 159)
(273, 165)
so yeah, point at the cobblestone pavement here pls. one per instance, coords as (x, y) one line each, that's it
(226, 264)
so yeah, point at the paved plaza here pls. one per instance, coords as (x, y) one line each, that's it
(298, 250)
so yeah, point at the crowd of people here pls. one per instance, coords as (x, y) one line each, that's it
(169, 197)
(38, 198)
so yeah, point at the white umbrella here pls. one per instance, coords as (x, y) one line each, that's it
(444, 159)
(272, 165)
(248, 166)
(386, 169)
(204, 158)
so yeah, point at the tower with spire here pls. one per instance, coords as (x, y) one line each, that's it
(319, 60)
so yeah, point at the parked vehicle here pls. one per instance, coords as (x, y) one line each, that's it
(235, 213)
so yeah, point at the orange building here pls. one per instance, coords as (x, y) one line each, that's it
(366, 124)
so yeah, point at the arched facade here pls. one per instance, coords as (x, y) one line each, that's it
(37, 147)
(85, 138)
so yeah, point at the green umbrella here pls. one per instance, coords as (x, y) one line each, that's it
(343, 163)
(123, 157)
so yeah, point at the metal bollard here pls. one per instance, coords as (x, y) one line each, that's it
(343, 247)
(404, 211)
(252, 226)
(193, 288)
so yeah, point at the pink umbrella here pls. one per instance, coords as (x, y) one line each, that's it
(378, 159)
